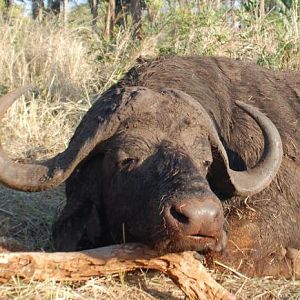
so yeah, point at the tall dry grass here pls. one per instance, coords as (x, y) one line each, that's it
(69, 65)
(56, 61)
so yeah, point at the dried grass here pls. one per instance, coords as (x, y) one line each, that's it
(68, 65)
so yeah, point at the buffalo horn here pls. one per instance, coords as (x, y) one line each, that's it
(251, 181)
(254, 180)
(104, 118)
(98, 124)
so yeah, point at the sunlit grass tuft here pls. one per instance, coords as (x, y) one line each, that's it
(69, 65)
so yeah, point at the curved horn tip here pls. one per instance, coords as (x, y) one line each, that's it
(259, 177)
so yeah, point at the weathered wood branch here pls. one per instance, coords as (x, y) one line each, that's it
(183, 268)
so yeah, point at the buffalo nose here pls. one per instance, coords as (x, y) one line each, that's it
(196, 217)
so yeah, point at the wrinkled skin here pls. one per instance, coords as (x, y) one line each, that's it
(154, 161)
(144, 169)
(143, 172)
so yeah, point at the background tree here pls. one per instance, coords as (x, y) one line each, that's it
(262, 9)
(65, 10)
(5, 6)
(136, 13)
(110, 18)
(121, 11)
(54, 6)
(8, 4)
(117, 13)
(94, 5)
(37, 7)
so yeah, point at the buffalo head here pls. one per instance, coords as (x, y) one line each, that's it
(147, 166)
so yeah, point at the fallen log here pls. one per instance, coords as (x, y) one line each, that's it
(184, 269)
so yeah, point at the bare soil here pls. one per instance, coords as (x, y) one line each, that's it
(27, 217)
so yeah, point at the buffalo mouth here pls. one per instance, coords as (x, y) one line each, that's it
(195, 242)
(215, 243)
(194, 223)
(200, 236)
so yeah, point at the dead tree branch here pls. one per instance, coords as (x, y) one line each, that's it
(183, 268)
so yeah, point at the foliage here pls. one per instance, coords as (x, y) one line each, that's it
(70, 62)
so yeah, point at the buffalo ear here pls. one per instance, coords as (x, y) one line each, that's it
(77, 228)
(80, 225)
(218, 177)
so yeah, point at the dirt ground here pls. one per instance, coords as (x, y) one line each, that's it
(27, 217)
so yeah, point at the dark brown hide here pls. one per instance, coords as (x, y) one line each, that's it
(260, 226)
(147, 183)
(154, 160)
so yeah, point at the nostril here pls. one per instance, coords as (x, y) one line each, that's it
(178, 216)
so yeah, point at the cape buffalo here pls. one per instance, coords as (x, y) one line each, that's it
(184, 153)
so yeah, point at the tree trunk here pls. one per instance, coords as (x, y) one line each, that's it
(136, 13)
(109, 18)
(94, 11)
(54, 6)
(262, 9)
(37, 9)
(8, 4)
(65, 8)
(183, 268)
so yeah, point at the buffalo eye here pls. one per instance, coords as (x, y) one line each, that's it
(206, 163)
(124, 161)
(127, 162)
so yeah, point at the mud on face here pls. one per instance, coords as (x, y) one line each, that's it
(155, 193)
